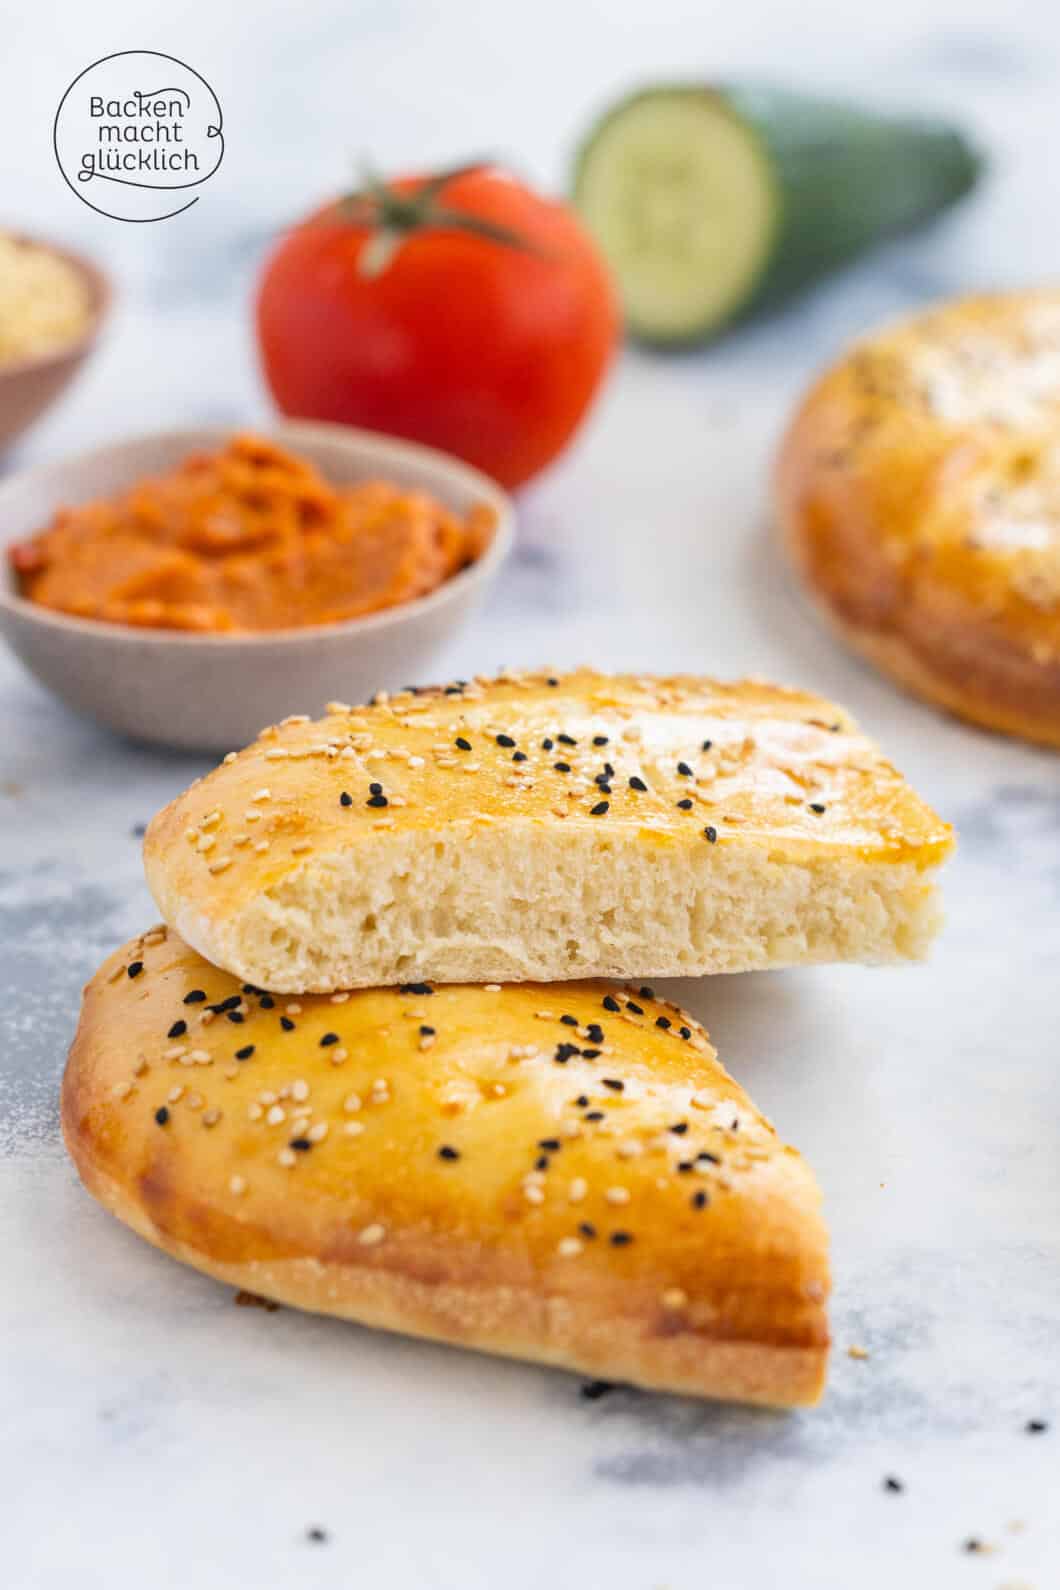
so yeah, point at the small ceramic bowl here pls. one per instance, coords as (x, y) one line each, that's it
(215, 692)
(29, 386)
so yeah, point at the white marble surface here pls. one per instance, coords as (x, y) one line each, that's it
(153, 1434)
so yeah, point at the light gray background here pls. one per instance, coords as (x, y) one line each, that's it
(154, 1434)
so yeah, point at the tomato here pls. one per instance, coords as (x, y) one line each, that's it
(462, 310)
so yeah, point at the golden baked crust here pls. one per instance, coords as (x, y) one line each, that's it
(918, 489)
(461, 1164)
(546, 827)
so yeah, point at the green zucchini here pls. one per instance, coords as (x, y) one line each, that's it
(712, 203)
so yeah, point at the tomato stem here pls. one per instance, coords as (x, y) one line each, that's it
(392, 215)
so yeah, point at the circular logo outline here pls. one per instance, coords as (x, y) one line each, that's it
(140, 220)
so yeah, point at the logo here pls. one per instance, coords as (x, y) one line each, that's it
(136, 133)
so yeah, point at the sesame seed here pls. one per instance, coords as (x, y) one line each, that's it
(300, 1089)
(533, 1194)
(673, 1298)
(353, 1128)
(351, 1103)
(211, 1118)
(237, 1185)
(317, 1132)
(579, 1187)
(371, 1236)
(286, 1157)
(276, 1114)
(569, 1247)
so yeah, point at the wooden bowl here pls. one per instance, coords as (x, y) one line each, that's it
(30, 386)
(216, 691)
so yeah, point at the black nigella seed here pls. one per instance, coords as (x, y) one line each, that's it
(267, 1002)
(287, 1024)
(686, 1166)
(609, 770)
(317, 1535)
(599, 739)
(505, 740)
(547, 745)
(235, 1017)
(594, 1032)
(684, 1032)
(552, 1144)
(684, 770)
(377, 801)
(301, 1144)
(134, 968)
(1036, 1426)
(561, 767)
(520, 756)
(663, 1022)
(637, 783)
(600, 809)
(621, 1239)
(196, 997)
(591, 1054)
(246, 1052)
(610, 1003)
(542, 1162)
(594, 1115)
(226, 1004)
(892, 1483)
(552, 683)
(565, 1052)
(328, 1039)
(345, 799)
(425, 1031)
(646, 992)
(700, 1199)
(710, 834)
(593, 1390)
(420, 989)
(615, 1084)
(818, 807)
(707, 744)
(680, 1128)
(375, 788)
(178, 1029)
(566, 739)
(635, 1009)
(569, 1021)
(707, 1158)
(582, 1100)
(587, 1229)
(462, 744)
(685, 805)
(603, 781)
(162, 1115)
(448, 1152)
